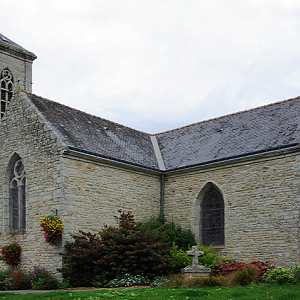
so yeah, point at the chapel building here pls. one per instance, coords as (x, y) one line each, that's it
(234, 180)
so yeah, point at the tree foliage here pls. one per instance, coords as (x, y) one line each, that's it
(184, 238)
(116, 250)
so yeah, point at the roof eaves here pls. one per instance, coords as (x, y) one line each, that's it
(294, 146)
(112, 159)
(12, 47)
(19, 52)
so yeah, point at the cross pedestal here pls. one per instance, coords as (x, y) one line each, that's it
(195, 271)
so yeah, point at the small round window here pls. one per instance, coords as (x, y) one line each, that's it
(19, 169)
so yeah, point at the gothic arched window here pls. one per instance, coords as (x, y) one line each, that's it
(6, 86)
(212, 216)
(17, 196)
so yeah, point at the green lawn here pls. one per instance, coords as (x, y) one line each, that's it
(252, 292)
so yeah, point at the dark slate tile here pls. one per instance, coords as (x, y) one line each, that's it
(93, 134)
(237, 134)
(259, 129)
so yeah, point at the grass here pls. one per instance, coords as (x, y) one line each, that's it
(251, 292)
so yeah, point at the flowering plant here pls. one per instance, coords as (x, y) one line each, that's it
(129, 280)
(11, 254)
(17, 279)
(53, 229)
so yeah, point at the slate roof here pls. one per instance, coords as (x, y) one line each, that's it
(7, 43)
(256, 130)
(96, 135)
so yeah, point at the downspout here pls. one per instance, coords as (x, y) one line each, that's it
(162, 167)
(162, 194)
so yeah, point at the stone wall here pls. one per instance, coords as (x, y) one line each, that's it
(23, 131)
(261, 206)
(95, 191)
(86, 194)
(21, 68)
(261, 195)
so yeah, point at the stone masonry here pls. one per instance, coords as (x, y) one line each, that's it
(94, 192)
(261, 206)
(87, 180)
(19, 61)
(87, 195)
(25, 133)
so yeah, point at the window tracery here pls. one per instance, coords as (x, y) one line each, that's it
(6, 86)
(212, 209)
(17, 196)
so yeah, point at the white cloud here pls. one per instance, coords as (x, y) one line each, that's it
(155, 65)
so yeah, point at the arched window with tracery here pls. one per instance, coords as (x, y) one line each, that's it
(6, 86)
(212, 217)
(17, 196)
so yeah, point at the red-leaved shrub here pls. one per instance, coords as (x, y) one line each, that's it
(227, 267)
(262, 268)
(116, 250)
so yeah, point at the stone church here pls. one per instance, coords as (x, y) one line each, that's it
(234, 180)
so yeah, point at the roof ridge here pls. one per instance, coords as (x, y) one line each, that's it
(83, 112)
(227, 115)
(171, 130)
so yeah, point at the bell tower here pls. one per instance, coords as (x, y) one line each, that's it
(15, 70)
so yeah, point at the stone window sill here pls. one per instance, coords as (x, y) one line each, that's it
(17, 232)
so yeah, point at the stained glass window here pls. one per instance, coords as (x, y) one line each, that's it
(212, 209)
(18, 196)
(6, 86)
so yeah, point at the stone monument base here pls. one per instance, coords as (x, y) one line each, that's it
(195, 272)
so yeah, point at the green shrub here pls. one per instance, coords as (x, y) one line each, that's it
(122, 249)
(45, 283)
(41, 279)
(180, 258)
(63, 284)
(280, 276)
(209, 258)
(183, 237)
(99, 280)
(3, 277)
(170, 232)
(296, 271)
(151, 225)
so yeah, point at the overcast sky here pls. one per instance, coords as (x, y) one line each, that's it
(156, 65)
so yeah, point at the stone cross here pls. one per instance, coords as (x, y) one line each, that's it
(195, 253)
